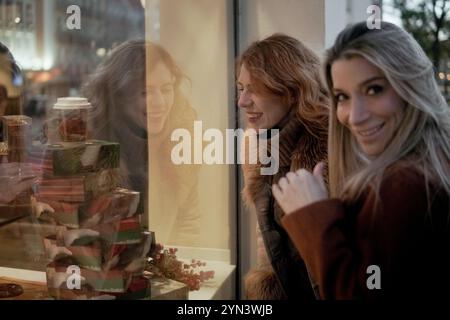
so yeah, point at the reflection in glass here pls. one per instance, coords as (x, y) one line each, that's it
(126, 103)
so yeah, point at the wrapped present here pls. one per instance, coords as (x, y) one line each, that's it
(71, 159)
(114, 206)
(88, 257)
(76, 237)
(85, 293)
(139, 289)
(128, 257)
(127, 231)
(78, 188)
(57, 212)
(60, 275)
(107, 281)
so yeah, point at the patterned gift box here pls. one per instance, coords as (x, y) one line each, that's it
(78, 188)
(72, 159)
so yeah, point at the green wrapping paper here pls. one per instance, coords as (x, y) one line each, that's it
(72, 159)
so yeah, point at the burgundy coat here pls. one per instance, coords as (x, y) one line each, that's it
(407, 237)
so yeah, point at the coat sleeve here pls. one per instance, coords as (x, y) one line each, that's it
(338, 253)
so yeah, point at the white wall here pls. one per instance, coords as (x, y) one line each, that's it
(198, 34)
(336, 18)
(358, 10)
(303, 20)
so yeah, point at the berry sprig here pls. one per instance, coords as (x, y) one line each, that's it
(165, 263)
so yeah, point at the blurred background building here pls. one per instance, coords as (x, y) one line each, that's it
(55, 59)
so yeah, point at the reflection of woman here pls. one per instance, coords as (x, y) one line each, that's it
(9, 91)
(386, 224)
(280, 88)
(120, 91)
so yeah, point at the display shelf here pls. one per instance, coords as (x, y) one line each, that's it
(222, 286)
(35, 285)
(23, 258)
(217, 288)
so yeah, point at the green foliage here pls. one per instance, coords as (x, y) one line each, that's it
(429, 23)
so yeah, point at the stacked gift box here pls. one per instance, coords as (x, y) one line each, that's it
(98, 223)
(99, 248)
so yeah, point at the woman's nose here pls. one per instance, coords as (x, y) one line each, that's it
(156, 100)
(244, 100)
(358, 112)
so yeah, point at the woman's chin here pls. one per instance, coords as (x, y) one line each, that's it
(155, 128)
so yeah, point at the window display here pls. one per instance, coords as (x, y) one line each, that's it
(103, 211)
(146, 146)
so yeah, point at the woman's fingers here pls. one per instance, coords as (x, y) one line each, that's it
(276, 191)
(291, 176)
(283, 183)
(318, 173)
(299, 189)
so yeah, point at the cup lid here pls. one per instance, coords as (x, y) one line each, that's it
(72, 103)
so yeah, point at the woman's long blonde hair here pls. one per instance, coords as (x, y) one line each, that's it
(422, 140)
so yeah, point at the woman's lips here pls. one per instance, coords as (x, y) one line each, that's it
(254, 117)
(155, 115)
(370, 132)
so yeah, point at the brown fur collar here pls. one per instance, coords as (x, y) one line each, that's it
(298, 148)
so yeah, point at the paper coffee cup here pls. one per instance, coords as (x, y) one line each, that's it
(73, 116)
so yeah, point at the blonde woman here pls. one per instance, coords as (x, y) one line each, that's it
(280, 88)
(383, 231)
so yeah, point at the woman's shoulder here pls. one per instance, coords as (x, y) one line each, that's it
(407, 182)
(401, 173)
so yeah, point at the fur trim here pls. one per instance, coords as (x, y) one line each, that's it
(297, 149)
(263, 284)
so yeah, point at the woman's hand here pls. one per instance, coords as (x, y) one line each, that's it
(300, 189)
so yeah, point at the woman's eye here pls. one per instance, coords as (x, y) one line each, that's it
(375, 89)
(340, 97)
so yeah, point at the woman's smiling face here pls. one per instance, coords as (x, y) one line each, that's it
(263, 110)
(367, 104)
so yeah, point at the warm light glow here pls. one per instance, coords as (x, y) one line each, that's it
(441, 75)
(448, 77)
(43, 77)
(101, 52)
(17, 20)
